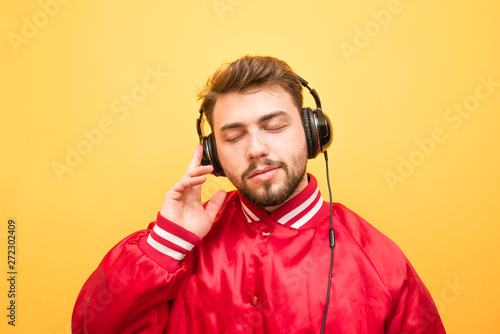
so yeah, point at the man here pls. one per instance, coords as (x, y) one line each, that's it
(254, 260)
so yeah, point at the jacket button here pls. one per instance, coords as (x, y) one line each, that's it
(265, 232)
(254, 300)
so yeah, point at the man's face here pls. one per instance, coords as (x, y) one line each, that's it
(261, 144)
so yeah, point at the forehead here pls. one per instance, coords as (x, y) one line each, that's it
(252, 105)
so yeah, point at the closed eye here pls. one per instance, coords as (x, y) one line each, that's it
(276, 128)
(275, 122)
(233, 137)
(230, 140)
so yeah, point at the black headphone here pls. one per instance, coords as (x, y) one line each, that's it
(317, 127)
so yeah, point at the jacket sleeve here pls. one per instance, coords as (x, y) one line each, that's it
(131, 290)
(414, 310)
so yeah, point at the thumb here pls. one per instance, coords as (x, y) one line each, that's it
(215, 203)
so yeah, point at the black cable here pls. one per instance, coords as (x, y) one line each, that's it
(331, 237)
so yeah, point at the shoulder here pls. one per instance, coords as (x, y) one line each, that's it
(363, 233)
(383, 253)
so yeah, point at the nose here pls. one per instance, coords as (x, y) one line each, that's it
(257, 147)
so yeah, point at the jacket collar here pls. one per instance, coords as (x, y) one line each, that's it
(295, 213)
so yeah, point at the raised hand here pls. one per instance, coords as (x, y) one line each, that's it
(182, 203)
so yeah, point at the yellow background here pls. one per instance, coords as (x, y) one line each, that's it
(394, 90)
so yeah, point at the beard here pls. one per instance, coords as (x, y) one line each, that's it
(272, 194)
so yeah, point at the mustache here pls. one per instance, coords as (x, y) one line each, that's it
(264, 162)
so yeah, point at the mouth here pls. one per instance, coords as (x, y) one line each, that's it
(263, 174)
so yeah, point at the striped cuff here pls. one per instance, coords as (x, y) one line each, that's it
(170, 239)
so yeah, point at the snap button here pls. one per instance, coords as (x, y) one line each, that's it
(264, 230)
(254, 300)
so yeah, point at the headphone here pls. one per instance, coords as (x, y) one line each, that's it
(317, 127)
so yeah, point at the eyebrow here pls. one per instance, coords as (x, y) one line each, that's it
(260, 120)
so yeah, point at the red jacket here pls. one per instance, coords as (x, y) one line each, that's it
(257, 273)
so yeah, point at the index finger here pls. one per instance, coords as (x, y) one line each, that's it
(196, 159)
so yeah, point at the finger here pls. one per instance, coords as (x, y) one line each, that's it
(215, 203)
(187, 183)
(192, 178)
(196, 159)
(198, 171)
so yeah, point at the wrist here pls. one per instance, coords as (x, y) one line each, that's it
(171, 239)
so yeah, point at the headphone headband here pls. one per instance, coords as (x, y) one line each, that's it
(312, 91)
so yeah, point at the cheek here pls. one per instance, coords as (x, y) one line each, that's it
(230, 157)
(294, 140)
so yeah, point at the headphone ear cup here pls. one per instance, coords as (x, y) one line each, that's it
(214, 156)
(311, 133)
(325, 132)
(205, 159)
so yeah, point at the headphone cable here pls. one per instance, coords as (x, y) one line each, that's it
(332, 245)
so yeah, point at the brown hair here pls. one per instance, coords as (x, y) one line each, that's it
(246, 73)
